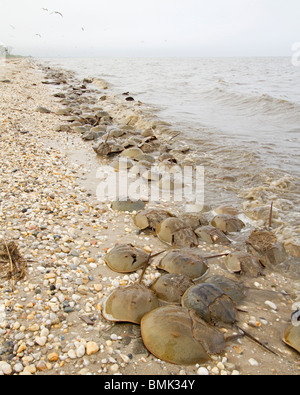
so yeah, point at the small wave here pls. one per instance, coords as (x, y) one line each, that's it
(265, 103)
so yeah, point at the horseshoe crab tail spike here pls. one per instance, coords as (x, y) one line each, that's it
(257, 341)
(148, 263)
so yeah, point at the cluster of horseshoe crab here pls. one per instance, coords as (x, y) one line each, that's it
(182, 313)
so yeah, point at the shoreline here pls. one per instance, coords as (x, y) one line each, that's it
(62, 228)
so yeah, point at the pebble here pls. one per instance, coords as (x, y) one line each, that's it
(114, 368)
(202, 372)
(53, 357)
(271, 305)
(41, 340)
(253, 362)
(92, 348)
(80, 351)
(5, 368)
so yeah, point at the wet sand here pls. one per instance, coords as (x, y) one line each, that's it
(50, 209)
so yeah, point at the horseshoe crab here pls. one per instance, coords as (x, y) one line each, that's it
(234, 289)
(241, 262)
(215, 307)
(132, 153)
(227, 210)
(264, 245)
(151, 218)
(185, 263)
(129, 304)
(108, 147)
(212, 235)
(170, 287)
(194, 220)
(291, 337)
(211, 303)
(128, 205)
(177, 233)
(125, 258)
(228, 223)
(177, 335)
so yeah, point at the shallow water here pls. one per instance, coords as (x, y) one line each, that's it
(252, 103)
(240, 116)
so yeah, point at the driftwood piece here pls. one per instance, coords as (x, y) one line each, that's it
(12, 264)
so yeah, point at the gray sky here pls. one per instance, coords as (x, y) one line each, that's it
(150, 27)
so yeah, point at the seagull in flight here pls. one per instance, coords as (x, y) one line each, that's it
(58, 13)
(38, 35)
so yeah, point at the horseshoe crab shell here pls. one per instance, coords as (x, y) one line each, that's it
(170, 287)
(179, 336)
(228, 223)
(264, 245)
(185, 263)
(194, 220)
(291, 337)
(107, 148)
(132, 153)
(129, 304)
(125, 258)
(211, 303)
(177, 233)
(234, 289)
(151, 218)
(212, 235)
(241, 262)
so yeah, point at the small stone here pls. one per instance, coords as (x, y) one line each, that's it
(92, 348)
(125, 358)
(114, 368)
(98, 287)
(21, 348)
(147, 249)
(5, 368)
(215, 370)
(271, 305)
(83, 290)
(53, 357)
(41, 340)
(80, 351)
(202, 372)
(30, 369)
(72, 354)
(253, 362)
(41, 366)
(18, 368)
(34, 328)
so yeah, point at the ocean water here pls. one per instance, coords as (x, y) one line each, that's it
(251, 104)
(240, 116)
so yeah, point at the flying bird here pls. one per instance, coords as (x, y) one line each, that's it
(45, 9)
(38, 35)
(12, 27)
(58, 13)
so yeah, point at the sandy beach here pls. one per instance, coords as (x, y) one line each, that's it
(50, 318)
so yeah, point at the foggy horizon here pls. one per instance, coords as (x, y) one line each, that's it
(168, 28)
